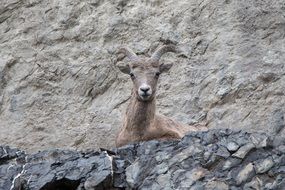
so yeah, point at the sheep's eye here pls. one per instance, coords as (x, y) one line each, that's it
(132, 75)
(157, 74)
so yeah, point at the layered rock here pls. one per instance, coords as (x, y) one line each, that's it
(201, 160)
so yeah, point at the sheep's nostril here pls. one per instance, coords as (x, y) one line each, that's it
(144, 89)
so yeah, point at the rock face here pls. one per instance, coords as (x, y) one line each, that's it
(59, 86)
(199, 161)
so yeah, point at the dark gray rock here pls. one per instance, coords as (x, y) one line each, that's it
(256, 183)
(264, 165)
(223, 152)
(11, 161)
(216, 185)
(260, 140)
(245, 174)
(192, 163)
(133, 174)
(231, 162)
(242, 151)
(232, 146)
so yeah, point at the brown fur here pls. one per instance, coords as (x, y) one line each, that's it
(142, 124)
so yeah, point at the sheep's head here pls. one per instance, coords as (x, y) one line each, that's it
(145, 72)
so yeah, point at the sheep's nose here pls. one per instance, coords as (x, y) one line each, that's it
(145, 88)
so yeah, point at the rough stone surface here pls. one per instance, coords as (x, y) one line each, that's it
(149, 165)
(232, 146)
(59, 87)
(264, 165)
(245, 174)
(241, 153)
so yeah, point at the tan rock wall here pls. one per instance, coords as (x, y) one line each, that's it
(59, 87)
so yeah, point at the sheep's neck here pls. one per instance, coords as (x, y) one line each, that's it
(140, 114)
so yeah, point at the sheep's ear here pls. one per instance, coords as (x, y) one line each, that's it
(124, 68)
(165, 67)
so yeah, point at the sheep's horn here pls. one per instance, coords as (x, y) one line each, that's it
(129, 53)
(162, 50)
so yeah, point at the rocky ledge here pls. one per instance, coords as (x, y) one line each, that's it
(216, 159)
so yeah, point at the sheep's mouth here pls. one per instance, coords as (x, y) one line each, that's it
(145, 97)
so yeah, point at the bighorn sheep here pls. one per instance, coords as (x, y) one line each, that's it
(141, 123)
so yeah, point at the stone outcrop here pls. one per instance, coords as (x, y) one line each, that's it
(59, 87)
(200, 161)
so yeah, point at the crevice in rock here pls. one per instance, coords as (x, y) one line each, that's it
(63, 184)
